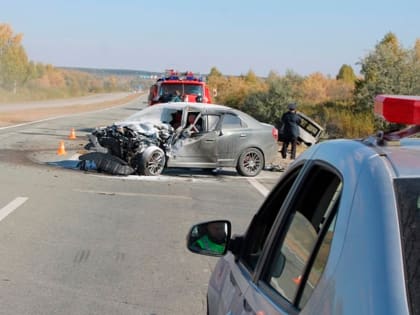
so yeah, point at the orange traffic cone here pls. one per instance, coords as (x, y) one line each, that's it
(72, 134)
(297, 280)
(61, 150)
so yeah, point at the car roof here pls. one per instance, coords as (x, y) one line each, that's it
(402, 156)
(195, 82)
(201, 107)
(204, 108)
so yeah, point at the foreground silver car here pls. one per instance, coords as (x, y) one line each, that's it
(339, 234)
(188, 135)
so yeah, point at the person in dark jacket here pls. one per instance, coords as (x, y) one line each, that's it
(290, 121)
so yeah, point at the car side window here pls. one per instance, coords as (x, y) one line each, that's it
(319, 263)
(212, 122)
(231, 121)
(261, 224)
(300, 252)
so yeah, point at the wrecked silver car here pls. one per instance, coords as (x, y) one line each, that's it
(182, 135)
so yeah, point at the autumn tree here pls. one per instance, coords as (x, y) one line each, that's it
(217, 83)
(314, 89)
(13, 59)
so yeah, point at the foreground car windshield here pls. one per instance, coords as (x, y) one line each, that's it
(408, 197)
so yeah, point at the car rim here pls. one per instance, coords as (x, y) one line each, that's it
(155, 164)
(252, 162)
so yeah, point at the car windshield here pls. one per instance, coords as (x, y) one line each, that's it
(154, 114)
(408, 197)
(171, 88)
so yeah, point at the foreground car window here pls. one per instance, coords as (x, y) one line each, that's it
(263, 221)
(301, 252)
(408, 198)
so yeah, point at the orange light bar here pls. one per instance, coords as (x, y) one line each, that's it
(402, 109)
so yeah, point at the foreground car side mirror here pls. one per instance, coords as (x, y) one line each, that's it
(209, 238)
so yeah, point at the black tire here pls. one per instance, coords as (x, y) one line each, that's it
(250, 162)
(152, 162)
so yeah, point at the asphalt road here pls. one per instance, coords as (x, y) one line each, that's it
(84, 100)
(73, 242)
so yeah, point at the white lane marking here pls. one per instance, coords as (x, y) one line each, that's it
(258, 186)
(13, 205)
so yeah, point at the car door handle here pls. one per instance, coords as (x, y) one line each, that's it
(232, 280)
(243, 135)
(247, 307)
(209, 140)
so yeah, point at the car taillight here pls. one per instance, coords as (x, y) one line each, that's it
(275, 133)
(400, 109)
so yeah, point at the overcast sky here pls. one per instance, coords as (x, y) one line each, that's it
(236, 36)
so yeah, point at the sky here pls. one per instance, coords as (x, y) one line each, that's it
(303, 36)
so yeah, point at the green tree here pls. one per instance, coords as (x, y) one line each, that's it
(414, 69)
(346, 74)
(215, 73)
(386, 70)
(251, 77)
(268, 106)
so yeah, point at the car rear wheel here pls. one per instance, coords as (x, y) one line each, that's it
(250, 162)
(151, 162)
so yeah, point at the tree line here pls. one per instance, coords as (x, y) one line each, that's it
(342, 105)
(22, 79)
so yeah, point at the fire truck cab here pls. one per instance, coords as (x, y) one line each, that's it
(173, 87)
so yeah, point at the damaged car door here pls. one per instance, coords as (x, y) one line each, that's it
(196, 146)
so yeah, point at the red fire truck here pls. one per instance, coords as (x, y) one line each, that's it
(174, 86)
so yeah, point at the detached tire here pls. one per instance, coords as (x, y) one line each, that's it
(250, 162)
(151, 162)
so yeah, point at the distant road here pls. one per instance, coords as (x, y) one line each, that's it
(84, 100)
(25, 112)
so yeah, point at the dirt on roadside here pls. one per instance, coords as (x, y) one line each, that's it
(285, 162)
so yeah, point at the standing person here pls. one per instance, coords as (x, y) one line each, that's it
(290, 122)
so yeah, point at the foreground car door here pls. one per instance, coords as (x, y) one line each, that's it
(232, 278)
(296, 256)
(287, 245)
(226, 288)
